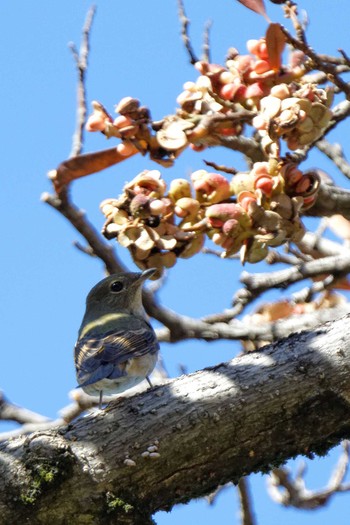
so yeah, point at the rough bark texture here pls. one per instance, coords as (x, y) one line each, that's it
(204, 429)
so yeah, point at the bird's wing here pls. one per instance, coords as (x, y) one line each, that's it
(98, 355)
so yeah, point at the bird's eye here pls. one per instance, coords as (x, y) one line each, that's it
(117, 286)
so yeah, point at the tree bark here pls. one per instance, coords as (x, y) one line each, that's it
(181, 440)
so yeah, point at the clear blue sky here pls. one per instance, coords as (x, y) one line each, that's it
(137, 51)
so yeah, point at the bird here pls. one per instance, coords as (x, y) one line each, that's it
(117, 347)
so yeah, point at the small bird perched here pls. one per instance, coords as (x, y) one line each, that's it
(116, 347)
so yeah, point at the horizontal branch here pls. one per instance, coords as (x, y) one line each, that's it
(331, 200)
(181, 440)
(335, 264)
(191, 328)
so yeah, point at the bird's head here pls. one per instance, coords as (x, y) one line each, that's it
(118, 292)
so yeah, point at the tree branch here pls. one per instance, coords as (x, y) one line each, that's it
(150, 451)
(184, 32)
(81, 60)
(291, 492)
(246, 510)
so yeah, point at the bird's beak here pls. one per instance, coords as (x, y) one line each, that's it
(147, 274)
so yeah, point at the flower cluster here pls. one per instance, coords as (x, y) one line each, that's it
(143, 220)
(251, 212)
(298, 115)
(286, 105)
(277, 99)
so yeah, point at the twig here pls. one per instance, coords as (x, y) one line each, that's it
(327, 67)
(220, 167)
(249, 147)
(81, 60)
(335, 153)
(317, 247)
(12, 412)
(84, 249)
(336, 265)
(307, 294)
(78, 219)
(190, 328)
(291, 492)
(246, 504)
(184, 32)
(206, 42)
(211, 498)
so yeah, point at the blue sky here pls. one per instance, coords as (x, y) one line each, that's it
(136, 51)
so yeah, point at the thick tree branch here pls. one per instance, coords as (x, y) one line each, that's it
(181, 440)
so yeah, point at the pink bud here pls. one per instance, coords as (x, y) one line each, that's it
(227, 92)
(245, 198)
(96, 122)
(244, 63)
(261, 66)
(265, 184)
(253, 46)
(261, 168)
(230, 227)
(217, 214)
(122, 122)
(157, 207)
(126, 149)
(212, 187)
(254, 91)
(259, 122)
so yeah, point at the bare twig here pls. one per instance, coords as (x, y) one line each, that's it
(336, 265)
(81, 60)
(184, 32)
(84, 249)
(246, 504)
(327, 67)
(211, 498)
(307, 294)
(249, 147)
(220, 167)
(191, 328)
(11, 412)
(206, 42)
(335, 153)
(78, 219)
(291, 492)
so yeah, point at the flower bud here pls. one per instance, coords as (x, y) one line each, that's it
(179, 188)
(210, 187)
(265, 184)
(127, 105)
(242, 182)
(218, 214)
(187, 207)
